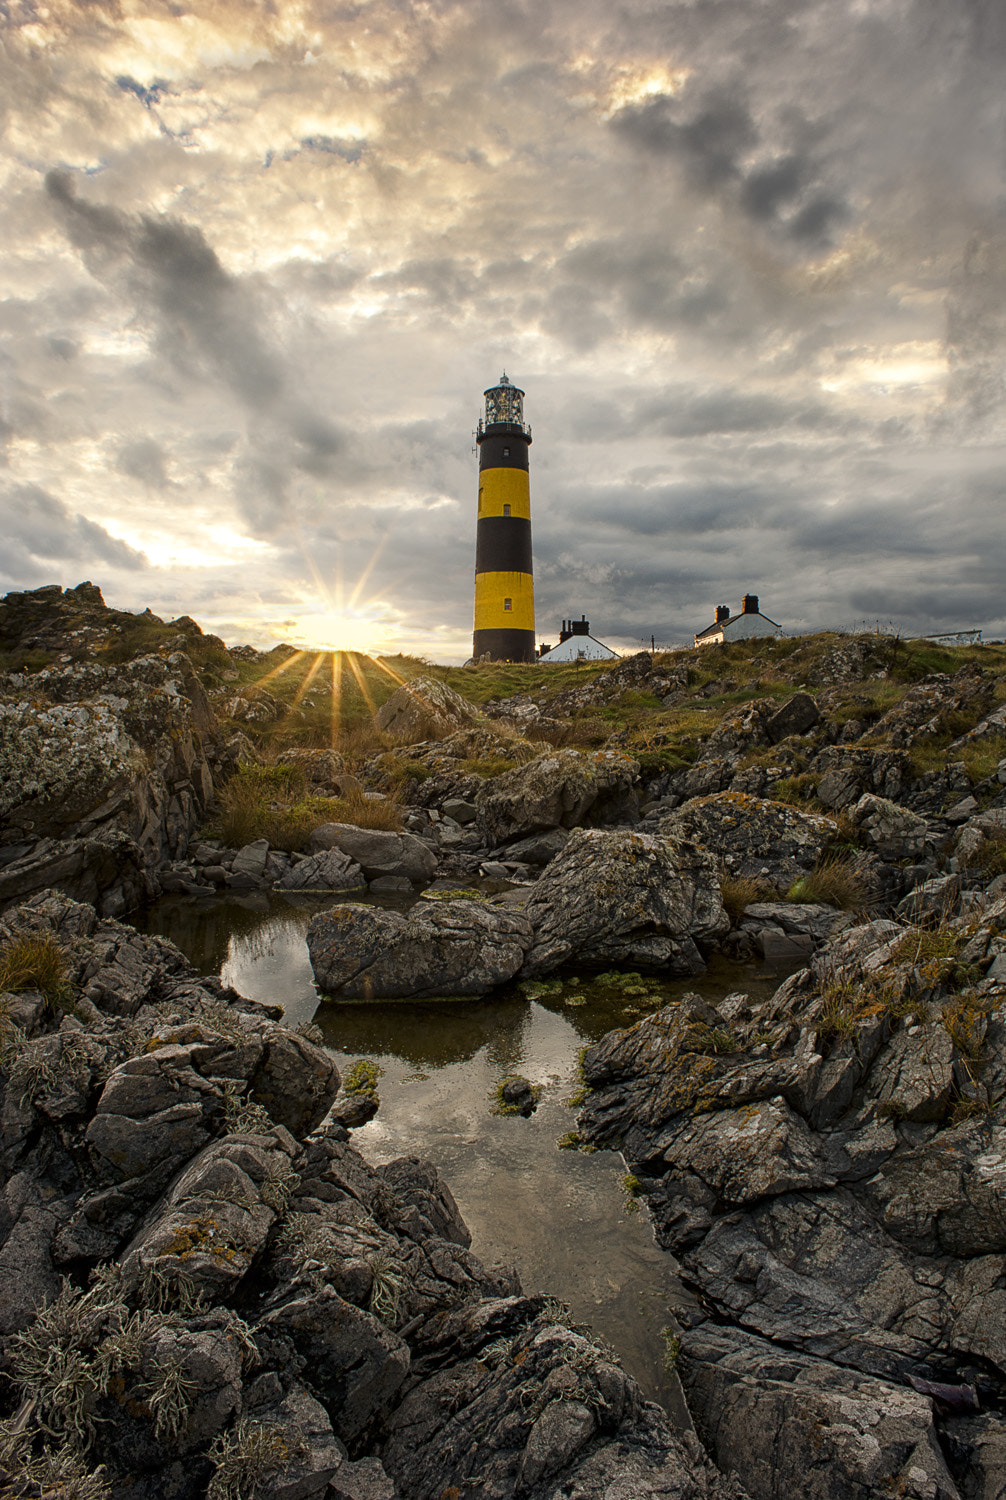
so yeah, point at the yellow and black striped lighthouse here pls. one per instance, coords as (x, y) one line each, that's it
(504, 587)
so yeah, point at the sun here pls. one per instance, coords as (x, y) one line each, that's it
(339, 630)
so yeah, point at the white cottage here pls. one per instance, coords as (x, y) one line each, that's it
(745, 626)
(577, 644)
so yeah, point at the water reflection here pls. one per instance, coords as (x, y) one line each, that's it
(560, 1216)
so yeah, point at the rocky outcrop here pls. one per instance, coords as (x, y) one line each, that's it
(91, 752)
(437, 948)
(202, 1282)
(824, 1165)
(939, 699)
(753, 836)
(622, 897)
(424, 709)
(560, 789)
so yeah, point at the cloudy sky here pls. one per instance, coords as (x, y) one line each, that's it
(746, 257)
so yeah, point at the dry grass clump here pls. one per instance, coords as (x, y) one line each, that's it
(832, 883)
(990, 860)
(268, 802)
(739, 891)
(34, 962)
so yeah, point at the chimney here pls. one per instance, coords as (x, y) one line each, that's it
(722, 613)
(564, 632)
(750, 604)
(580, 626)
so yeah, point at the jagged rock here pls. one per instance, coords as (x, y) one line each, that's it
(107, 871)
(367, 1479)
(925, 708)
(846, 772)
(895, 832)
(753, 837)
(804, 919)
(438, 948)
(332, 870)
(796, 716)
(933, 900)
(357, 1364)
(424, 709)
(377, 851)
(545, 1413)
(993, 726)
(300, 1423)
(562, 788)
(763, 1411)
(622, 897)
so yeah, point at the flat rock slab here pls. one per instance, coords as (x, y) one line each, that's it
(378, 851)
(438, 948)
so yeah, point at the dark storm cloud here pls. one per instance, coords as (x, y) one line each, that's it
(40, 531)
(780, 184)
(205, 323)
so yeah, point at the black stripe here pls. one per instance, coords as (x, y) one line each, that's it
(493, 443)
(503, 545)
(504, 645)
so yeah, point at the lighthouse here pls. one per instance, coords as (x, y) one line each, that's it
(504, 587)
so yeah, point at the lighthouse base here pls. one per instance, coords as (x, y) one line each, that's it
(503, 645)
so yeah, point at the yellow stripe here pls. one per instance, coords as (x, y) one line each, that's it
(491, 592)
(499, 487)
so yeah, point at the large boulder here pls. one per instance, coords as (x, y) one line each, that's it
(753, 836)
(378, 851)
(560, 789)
(438, 948)
(424, 710)
(755, 1404)
(613, 896)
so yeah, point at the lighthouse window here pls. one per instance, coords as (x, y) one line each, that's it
(506, 510)
(508, 604)
(506, 452)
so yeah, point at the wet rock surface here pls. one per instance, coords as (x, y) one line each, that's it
(238, 1296)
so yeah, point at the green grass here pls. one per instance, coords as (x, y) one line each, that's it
(832, 883)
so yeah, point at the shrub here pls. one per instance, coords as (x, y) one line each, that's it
(834, 883)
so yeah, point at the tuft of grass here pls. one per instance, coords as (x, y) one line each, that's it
(35, 961)
(739, 891)
(833, 883)
(269, 802)
(248, 1457)
(990, 860)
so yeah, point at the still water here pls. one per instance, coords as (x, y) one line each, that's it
(562, 1217)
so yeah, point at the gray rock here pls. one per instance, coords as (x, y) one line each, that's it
(366, 1479)
(622, 897)
(315, 1455)
(932, 901)
(438, 948)
(791, 1425)
(895, 832)
(357, 1364)
(754, 837)
(331, 870)
(251, 859)
(391, 885)
(561, 788)
(461, 811)
(424, 709)
(540, 848)
(799, 714)
(378, 851)
(799, 919)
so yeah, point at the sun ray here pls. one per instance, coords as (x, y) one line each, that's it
(284, 666)
(383, 667)
(369, 568)
(354, 667)
(298, 695)
(336, 696)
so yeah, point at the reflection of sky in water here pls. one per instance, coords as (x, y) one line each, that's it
(559, 1216)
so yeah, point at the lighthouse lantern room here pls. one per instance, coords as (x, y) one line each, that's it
(504, 586)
